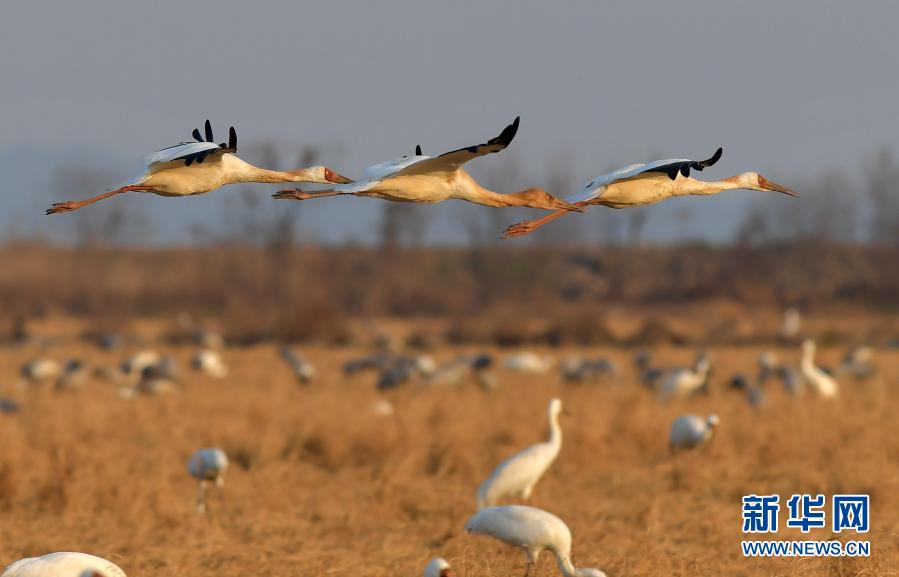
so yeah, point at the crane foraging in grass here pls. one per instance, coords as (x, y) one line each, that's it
(430, 179)
(649, 183)
(689, 431)
(517, 475)
(207, 465)
(63, 564)
(190, 168)
(533, 530)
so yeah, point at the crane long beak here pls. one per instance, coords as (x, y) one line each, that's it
(336, 178)
(771, 185)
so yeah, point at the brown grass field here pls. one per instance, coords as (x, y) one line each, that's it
(320, 485)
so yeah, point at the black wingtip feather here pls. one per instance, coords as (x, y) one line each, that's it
(417, 150)
(196, 135)
(209, 137)
(505, 137)
(232, 139)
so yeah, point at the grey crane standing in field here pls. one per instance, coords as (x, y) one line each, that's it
(302, 369)
(207, 465)
(690, 431)
(517, 475)
(433, 179)
(191, 168)
(533, 530)
(63, 564)
(649, 183)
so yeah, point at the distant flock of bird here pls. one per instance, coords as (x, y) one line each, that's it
(528, 528)
(191, 168)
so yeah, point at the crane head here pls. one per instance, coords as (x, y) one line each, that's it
(755, 181)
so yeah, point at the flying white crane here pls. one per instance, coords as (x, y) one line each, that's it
(430, 179)
(689, 431)
(649, 183)
(207, 465)
(823, 384)
(533, 530)
(63, 564)
(438, 567)
(518, 474)
(190, 168)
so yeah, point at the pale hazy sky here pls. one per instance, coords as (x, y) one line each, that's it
(788, 88)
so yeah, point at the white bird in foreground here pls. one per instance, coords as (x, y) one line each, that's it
(684, 382)
(63, 564)
(690, 431)
(533, 530)
(430, 179)
(518, 474)
(207, 465)
(823, 384)
(190, 168)
(649, 183)
(438, 567)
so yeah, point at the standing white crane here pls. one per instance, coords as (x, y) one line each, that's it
(533, 530)
(430, 179)
(190, 168)
(438, 567)
(518, 474)
(689, 431)
(823, 384)
(63, 564)
(207, 465)
(649, 183)
(684, 382)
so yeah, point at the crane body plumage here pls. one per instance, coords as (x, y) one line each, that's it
(533, 530)
(517, 475)
(63, 564)
(207, 465)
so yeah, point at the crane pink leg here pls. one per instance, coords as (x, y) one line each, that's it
(297, 194)
(71, 205)
(527, 226)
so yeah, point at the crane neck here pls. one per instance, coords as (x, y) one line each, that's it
(555, 431)
(566, 566)
(693, 187)
(469, 189)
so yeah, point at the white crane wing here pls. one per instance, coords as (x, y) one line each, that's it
(453, 160)
(670, 166)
